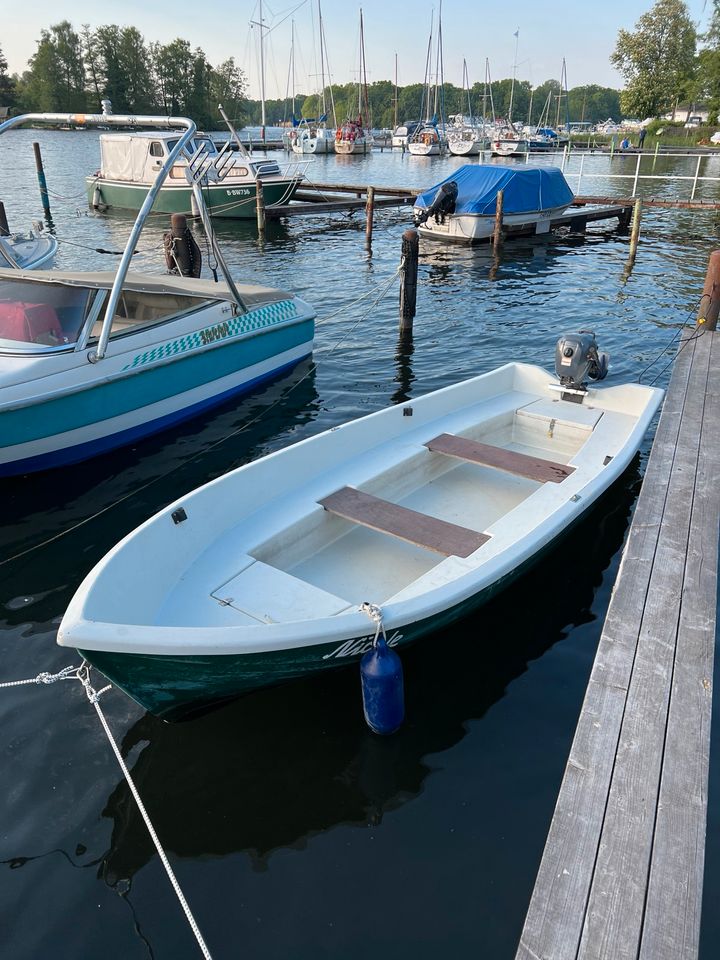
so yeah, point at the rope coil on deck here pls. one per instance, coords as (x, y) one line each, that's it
(82, 674)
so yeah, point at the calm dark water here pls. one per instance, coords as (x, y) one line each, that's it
(293, 831)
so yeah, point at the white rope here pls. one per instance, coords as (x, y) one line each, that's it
(375, 613)
(82, 673)
(67, 673)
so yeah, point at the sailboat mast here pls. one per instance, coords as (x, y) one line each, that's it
(428, 62)
(367, 118)
(466, 84)
(259, 23)
(322, 60)
(512, 86)
(396, 95)
(292, 61)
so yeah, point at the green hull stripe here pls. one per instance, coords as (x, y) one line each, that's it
(223, 200)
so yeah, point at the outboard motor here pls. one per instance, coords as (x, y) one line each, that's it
(443, 203)
(577, 360)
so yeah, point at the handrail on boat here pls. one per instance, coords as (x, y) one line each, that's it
(128, 120)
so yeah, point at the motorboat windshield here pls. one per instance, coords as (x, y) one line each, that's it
(41, 315)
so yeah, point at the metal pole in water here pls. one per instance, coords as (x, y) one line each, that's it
(498, 231)
(637, 174)
(408, 279)
(41, 180)
(582, 164)
(4, 228)
(260, 207)
(697, 174)
(369, 214)
(657, 147)
(710, 303)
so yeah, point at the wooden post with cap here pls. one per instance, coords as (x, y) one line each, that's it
(369, 214)
(710, 303)
(408, 279)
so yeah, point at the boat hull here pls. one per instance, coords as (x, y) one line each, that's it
(142, 393)
(420, 149)
(238, 202)
(177, 688)
(509, 148)
(347, 148)
(469, 228)
(467, 148)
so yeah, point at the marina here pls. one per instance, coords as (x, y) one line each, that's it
(492, 701)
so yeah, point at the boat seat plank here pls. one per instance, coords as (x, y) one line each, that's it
(418, 528)
(534, 468)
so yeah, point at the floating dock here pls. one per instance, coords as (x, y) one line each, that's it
(622, 872)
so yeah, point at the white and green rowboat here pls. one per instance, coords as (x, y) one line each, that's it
(90, 361)
(425, 509)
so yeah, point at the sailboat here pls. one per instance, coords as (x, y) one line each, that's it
(355, 135)
(507, 142)
(466, 136)
(313, 135)
(430, 139)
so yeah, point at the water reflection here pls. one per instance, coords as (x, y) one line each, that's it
(273, 769)
(153, 472)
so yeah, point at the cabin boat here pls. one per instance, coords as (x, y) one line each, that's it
(91, 361)
(507, 142)
(312, 136)
(129, 163)
(544, 139)
(353, 138)
(462, 207)
(429, 140)
(27, 251)
(426, 509)
(467, 138)
(401, 134)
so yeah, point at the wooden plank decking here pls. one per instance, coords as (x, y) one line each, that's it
(621, 874)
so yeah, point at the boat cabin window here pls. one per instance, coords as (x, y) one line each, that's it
(236, 171)
(156, 149)
(137, 309)
(197, 143)
(41, 315)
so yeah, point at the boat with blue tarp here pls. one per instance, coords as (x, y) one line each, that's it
(462, 206)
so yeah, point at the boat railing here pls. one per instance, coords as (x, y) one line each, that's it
(128, 120)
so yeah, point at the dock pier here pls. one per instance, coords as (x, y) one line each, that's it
(622, 871)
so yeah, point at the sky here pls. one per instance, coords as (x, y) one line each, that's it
(584, 32)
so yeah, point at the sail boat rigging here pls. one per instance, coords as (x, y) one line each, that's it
(355, 135)
(430, 139)
(313, 134)
(466, 138)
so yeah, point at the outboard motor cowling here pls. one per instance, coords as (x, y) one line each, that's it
(577, 360)
(443, 203)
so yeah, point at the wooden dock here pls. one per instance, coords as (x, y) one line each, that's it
(622, 871)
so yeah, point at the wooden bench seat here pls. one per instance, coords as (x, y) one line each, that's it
(418, 528)
(534, 468)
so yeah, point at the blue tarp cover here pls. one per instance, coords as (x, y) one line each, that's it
(527, 189)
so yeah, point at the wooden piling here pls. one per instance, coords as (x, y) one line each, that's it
(710, 302)
(635, 233)
(4, 228)
(408, 279)
(260, 207)
(369, 214)
(41, 180)
(498, 232)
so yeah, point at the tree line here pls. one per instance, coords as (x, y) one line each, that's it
(547, 103)
(73, 72)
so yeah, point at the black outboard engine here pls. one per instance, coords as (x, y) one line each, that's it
(443, 203)
(577, 360)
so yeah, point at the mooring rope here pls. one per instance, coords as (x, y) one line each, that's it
(690, 318)
(82, 674)
(383, 289)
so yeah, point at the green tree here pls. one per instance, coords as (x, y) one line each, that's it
(657, 59)
(56, 81)
(7, 84)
